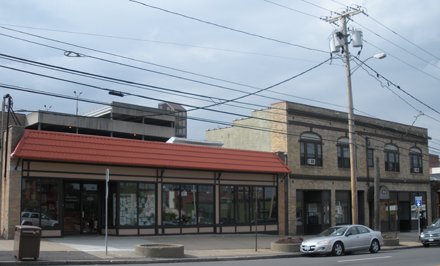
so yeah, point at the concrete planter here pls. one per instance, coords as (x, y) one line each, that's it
(161, 250)
(391, 242)
(285, 247)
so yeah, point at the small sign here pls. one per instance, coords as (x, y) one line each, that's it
(384, 193)
(418, 201)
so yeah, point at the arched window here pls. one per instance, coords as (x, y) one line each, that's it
(415, 160)
(343, 153)
(392, 162)
(311, 149)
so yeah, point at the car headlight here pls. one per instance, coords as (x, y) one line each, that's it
(323, 242)
(422, 234)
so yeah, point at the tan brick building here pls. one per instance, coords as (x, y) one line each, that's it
(316, 143)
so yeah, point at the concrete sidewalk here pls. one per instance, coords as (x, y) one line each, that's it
(91, 249)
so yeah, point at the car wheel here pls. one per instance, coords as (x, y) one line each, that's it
(425, 245)
(338, 249)
(375, 246)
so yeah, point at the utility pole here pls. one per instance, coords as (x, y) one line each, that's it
(342, 38)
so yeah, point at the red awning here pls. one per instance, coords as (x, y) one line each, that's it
(68, 147)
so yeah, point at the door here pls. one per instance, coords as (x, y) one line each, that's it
(405, 215)
(81, 208)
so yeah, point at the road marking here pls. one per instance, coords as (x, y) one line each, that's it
(373, 258)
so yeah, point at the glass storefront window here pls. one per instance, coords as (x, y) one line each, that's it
(243, 206)
(147, 204)
(170, 204)
(188, 194)
(127, 204)
(342, 208)
(205, 204)
(39, 202)
(270, 204)
(227, 213)
(187, 204)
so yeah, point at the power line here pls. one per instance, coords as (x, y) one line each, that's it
(150, 63)
(156, 88)
(157, 41)
(256, 128)
(292, 9)
(228, 28)
(399, 88)
(128, 58)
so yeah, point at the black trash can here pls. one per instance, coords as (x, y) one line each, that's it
(27, 242)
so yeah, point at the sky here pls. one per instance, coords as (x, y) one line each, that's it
(200, 53)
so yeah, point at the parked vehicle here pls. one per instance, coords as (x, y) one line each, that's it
(340, 239)
(431, 234)
(33, 218)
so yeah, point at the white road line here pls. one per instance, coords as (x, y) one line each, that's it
(373, 258)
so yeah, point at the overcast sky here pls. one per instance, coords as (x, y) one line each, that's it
(247, 45)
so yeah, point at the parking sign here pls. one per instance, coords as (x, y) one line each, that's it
(418, 201)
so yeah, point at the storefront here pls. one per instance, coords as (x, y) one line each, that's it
(154, 188)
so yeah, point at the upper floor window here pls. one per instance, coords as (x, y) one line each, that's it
(392, 162)
(415, 160)
(311, 149)
(343, 153)
(370, 157)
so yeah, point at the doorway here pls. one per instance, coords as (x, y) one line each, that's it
(81, 207)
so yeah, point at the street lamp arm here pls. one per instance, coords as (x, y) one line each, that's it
(376, 56)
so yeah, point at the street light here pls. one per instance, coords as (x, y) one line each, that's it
(376, 56)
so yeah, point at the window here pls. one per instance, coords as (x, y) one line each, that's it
(127, 204)
(343, 204)
(311, 149)
(370, 157)
(227, 213)
(391, 158)
(415, 160)
(147, 204)
(237, 205)
(343, 153)
(184, 204)
(39, 202)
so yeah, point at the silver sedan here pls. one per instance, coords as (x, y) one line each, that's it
(343, 238)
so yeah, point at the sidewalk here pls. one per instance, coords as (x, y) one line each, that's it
(91, 249)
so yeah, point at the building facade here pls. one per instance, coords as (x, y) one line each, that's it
(59, 181)
(316, 143)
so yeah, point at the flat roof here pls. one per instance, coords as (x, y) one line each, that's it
(69, 147)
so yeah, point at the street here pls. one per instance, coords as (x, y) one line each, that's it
(416, 256)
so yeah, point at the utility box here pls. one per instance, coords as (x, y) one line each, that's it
(27, 242)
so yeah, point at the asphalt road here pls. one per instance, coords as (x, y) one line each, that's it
(407, 257)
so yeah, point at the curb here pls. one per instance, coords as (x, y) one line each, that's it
(179, 260)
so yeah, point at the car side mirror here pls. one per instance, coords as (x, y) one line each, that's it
(348, 234)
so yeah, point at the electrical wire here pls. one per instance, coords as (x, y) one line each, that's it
(228, 28)
(146, 62)
(292, 9)
(263, 129)
(399, 88)
(158, 42)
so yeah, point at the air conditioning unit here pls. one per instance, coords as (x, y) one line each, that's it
(416, 170)
(311, 161)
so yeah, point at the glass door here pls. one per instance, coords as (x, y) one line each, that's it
(81, 208)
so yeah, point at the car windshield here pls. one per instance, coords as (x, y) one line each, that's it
(334, 231)
(436, 222)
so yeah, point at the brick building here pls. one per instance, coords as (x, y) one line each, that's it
(316, 143)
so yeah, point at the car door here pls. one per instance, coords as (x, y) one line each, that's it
(351, 239)
(364, 237)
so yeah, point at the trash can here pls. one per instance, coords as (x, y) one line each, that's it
(27, 241)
